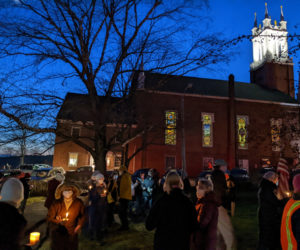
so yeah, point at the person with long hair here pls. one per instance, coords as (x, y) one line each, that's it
(173, 216)
(205, 237)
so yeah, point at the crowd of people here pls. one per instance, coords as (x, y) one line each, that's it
(184, 215)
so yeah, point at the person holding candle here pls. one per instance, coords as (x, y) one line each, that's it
(97, 207)
(66, 217)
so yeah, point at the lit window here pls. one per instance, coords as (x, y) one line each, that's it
(118, 159)
(73, 159)
(75, 132)
(242, 123)
(170, 131)
(207, 129)
(276, 125)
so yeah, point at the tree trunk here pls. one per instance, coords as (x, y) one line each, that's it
(100, 161)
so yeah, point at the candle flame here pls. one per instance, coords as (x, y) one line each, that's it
(67, 214)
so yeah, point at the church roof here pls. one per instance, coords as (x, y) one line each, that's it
(76, 107)
(212, 87)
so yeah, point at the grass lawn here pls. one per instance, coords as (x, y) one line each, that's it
(245, 219)
(244, 222)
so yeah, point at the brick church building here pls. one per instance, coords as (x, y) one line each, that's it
(197, 120)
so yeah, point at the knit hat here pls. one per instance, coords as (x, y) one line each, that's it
(270, 176)
(65, 186)
(296, 183)
(12, 192)
(220, 162)
(96, 176)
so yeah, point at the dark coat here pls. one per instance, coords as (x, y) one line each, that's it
(52, 185)
(269, 215)
(98, 208)
(205, 238)
(12, 227)
(174, 217)
(220, 186)
(62, 235)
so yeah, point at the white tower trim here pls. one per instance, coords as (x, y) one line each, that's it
(270, 42)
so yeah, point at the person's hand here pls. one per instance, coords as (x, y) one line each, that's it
(76, 230)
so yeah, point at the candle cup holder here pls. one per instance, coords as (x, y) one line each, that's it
(34, 238)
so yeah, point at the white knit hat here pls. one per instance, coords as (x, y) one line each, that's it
(97, 176)
(12, 192)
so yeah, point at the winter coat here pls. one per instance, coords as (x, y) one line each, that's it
(220, 186)
(269, 215)
(62, 235)
(174, 217)
(12, 227)
(52, 185)
(205, 238)
(98, 207)
(112, 195)
(26, 187)
(125, 186)
(296, 221)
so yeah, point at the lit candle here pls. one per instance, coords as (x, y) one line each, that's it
(67, 215)
(288, 194)
(34, 238)
(90, 187)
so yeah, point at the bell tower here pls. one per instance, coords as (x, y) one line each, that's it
(271, 66)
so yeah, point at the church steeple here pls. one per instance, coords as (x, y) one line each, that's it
(266, 11)
(281, 14)
(255, 20)
(282, 21)
(267, 20)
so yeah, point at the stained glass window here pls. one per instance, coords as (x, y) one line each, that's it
(242, 122)
(275, 133)
(207, 129)
(170, 130)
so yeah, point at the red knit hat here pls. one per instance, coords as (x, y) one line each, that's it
(296, 183)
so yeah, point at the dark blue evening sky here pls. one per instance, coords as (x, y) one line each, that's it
(236, 17)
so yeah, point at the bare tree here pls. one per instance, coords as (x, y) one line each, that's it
(95, 47)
